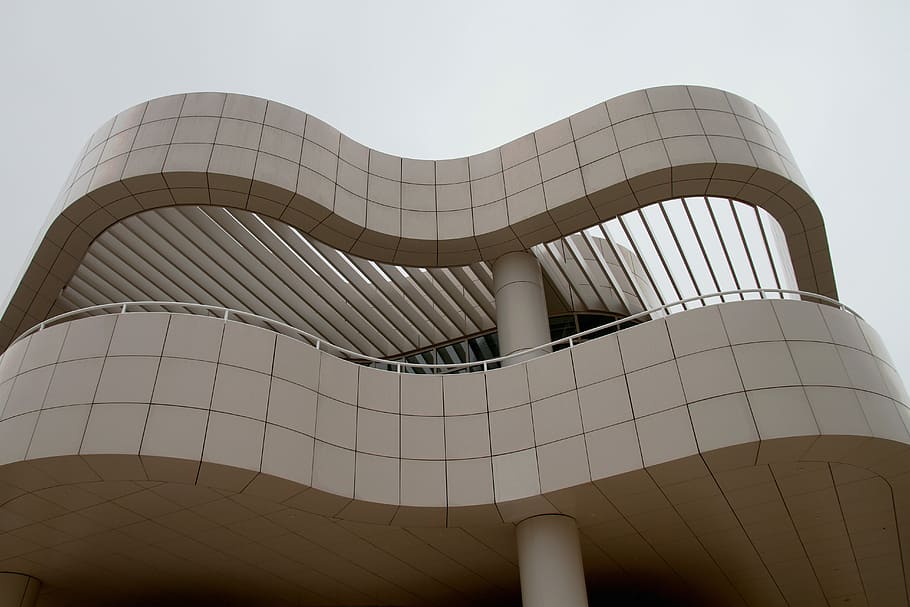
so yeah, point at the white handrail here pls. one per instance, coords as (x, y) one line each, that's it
(321, 344)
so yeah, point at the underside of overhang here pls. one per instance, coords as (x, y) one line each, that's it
(787, 533)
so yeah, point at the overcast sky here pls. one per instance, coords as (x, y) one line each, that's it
(438, 80)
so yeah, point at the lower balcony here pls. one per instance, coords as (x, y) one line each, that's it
(753, 452)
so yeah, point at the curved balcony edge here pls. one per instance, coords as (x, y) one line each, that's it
(643, 147)
(197, 400)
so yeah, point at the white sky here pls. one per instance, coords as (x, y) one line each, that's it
(434, 80)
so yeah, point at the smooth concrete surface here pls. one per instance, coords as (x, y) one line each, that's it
(233, 151)
(18, 590)
(521, 306)
(549, 559)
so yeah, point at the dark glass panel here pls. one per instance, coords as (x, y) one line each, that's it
(483, 347)
(421, 358)
(561, 326)
(452, 354)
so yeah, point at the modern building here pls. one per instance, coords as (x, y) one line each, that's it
(251, 361)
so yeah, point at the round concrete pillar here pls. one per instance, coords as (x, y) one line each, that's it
(549, 562)
(18, 590)
(521, 306)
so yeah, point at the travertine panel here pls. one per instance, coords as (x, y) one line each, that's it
(292, 406)
(605, 403)
(557, 417)
(139, 334)
(248, 347)
(74, 382)
(128, 379)
(184, 382)
(194, 338)
(58, 432)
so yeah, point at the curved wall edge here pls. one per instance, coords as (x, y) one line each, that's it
(244, 152)
(192, 399)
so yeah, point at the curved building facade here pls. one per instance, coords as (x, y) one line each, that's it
(252, 361)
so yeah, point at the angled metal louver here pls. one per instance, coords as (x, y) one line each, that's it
(659, 254)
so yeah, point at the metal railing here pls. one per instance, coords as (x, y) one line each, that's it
(397, 365)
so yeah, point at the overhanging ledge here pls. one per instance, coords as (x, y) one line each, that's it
(243, 152)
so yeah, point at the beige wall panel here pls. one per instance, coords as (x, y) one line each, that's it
(508, 437)
(645, 146)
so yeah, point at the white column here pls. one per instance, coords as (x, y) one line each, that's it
(549, 562)
(521, 306)
(18, 590)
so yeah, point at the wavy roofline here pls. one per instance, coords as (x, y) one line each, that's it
(220, 149)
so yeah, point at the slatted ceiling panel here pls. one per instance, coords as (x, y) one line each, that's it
(377, 277)
(108, 281)
(480, 310)
(555, 277)
(626, 238)
(71, 300)
(457, 298)
(627, 277)
(484, 274)
(259, 280)
(406, 336)
(588, 274)
(427, 327)
(340, 293)
(572, 268)
(446, 327)
(603, 265)
(441, 301)
(138, 250)
(237, 259)
(242, 251)
(476, 291)
(201, 269)
(414, 315)
(557, 267)
(90, 286)
(314, 256)
(289, 286)
(111, 253)
(138, 285)
(199, 273)
(471, 321)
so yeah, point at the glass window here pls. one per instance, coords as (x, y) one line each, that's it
(452, 354)
(483, 347)
(562, 326)
(385, 366)
(590, 321)
(421, 358)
